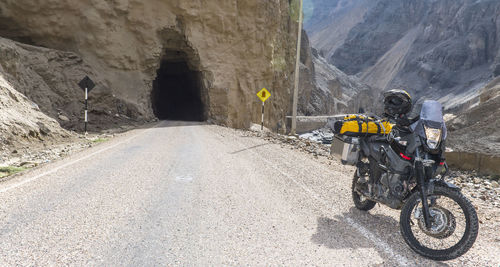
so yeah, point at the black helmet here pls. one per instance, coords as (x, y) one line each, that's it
(397, 102)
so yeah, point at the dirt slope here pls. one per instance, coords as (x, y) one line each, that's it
(21, 120)
(49, 78)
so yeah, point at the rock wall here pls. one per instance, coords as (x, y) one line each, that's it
(237, 46)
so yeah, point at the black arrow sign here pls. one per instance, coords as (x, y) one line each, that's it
(86, 83)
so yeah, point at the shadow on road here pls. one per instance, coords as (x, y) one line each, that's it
(169, 123)
(340, 233)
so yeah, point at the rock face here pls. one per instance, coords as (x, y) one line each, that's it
(445, 50)
(231, 49)
(307, 78)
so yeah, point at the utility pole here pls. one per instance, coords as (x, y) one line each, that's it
(297, 72)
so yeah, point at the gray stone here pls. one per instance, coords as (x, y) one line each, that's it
(63, 118)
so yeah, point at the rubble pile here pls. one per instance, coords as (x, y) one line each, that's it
(316, 148)
(323, 135)
(485, 188)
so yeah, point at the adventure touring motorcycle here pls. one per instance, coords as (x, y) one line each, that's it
(400, 163)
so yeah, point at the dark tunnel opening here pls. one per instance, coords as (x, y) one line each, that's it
(177, 90)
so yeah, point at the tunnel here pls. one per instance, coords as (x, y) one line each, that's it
(177, 90)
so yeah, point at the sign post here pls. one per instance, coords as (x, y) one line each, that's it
(86, 108)
(263, 95)
(86, 84)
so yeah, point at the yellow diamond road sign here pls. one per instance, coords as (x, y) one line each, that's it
(263, 94)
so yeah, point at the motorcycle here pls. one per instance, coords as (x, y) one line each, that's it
(405, 170)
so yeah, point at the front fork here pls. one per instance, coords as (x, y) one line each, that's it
(423, 186)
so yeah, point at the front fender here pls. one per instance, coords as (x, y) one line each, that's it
(439, 182)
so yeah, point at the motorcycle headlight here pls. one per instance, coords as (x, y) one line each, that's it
(433, 137)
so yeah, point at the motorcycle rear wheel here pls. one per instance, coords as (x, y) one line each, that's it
(360, 201)
(454, 226)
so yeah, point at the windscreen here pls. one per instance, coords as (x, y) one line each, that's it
(431, 111)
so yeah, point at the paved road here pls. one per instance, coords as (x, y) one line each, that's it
(196, 195)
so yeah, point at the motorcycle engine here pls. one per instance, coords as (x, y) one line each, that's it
(391, 189)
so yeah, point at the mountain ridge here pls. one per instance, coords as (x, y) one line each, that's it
(444, 50)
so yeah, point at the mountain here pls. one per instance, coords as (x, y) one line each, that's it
(446, 50)
(476, 129)
(324, 89)
(328, 22)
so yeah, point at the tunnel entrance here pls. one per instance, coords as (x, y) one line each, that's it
(177, 90)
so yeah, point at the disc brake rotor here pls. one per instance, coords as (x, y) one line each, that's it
(443, 222)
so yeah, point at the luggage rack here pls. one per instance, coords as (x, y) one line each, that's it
(347, 139)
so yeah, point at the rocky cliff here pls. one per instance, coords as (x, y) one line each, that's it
(226, 51)
(446, 50)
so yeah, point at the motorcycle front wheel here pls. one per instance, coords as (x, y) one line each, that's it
(454, 224)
